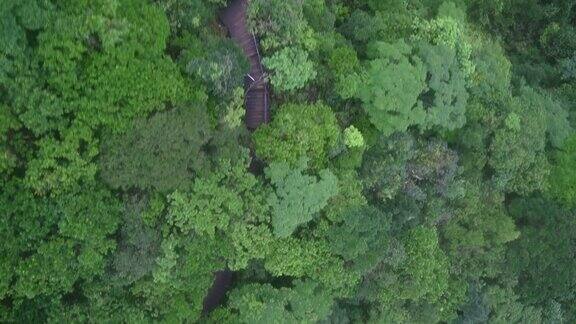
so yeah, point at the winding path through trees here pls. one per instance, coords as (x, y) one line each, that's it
(257, 104)
(257, 98)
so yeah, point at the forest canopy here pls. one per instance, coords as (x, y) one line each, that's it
(419, 165)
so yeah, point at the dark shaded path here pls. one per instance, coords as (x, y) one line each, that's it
(221, 284)
(257, 99)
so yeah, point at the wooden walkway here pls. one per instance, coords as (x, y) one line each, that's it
(257, 100)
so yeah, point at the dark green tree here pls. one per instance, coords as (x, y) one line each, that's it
(164, 152)
(562, 185)
(446, 96)
(280, 23)
(362, 238)
(306, 302)
(517, 149)
(542, 257)
(54, 244)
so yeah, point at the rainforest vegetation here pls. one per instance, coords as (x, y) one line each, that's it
(419, 165)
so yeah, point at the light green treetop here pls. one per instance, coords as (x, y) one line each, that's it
(298, 131)
(291, 69)
(353, 137)
(306, 302)
(298, 196)
(391, 84)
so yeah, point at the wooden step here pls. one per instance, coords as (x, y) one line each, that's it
(256, 97)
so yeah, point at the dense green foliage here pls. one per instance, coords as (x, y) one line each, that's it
(162, 152)
(297, 197)
(419, 166)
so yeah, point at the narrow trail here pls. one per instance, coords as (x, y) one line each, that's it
(257, 100)
(221, 284)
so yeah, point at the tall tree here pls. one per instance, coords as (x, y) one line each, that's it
(298, 197)
(543, 257)
(299, 131)
(306, 302)
(517, 149)
(53, 244)
(291, 69)
(280, 23)
(562, 186)
(390, 85)
(445, 97)
(164, 152)
(362, 238)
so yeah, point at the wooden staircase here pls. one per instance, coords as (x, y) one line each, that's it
(257, 99)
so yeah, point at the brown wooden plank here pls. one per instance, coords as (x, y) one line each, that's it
(256, 97)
